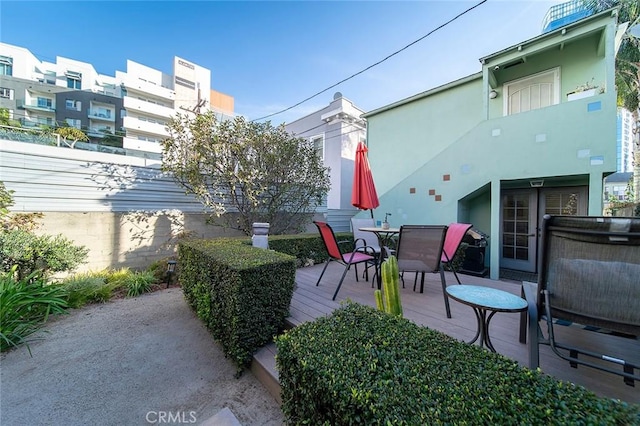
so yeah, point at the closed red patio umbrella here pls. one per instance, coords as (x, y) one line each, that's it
(364, 195)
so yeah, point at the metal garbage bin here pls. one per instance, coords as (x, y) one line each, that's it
(474, 255)
(260, 237)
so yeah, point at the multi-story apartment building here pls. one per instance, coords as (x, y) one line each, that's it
(624, 141)
(135, 104)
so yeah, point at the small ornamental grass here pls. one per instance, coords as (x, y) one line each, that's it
(88, 287)
(25, 305)
(101, 286)
(139, 283)
(362, 366)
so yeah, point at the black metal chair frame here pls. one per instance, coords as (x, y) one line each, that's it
(364, 254)
(598, 234)
(405, 262)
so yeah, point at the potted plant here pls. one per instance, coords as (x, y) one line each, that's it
(385, 224)
(584, 91)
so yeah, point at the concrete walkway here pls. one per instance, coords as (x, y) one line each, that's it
(139, 361)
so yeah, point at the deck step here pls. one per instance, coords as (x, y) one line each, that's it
(263, 367)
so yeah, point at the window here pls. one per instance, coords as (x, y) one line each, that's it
(6, 65)
(102, 112)
(73, 105)
(148, 139)
(6, 93)
(318, 144)
(534, 92)
(74, 80)
(72, 83)
(186, 83)
(45, 121)
(45, 103)
(48, 77)
(74, 122)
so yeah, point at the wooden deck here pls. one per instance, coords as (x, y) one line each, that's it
(427, 309)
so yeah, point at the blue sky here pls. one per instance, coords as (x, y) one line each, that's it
(271, 55)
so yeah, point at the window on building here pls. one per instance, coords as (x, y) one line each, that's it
(620, 192)
(50, 77)
(318, 144)
(45, 103)
(102, 112)
(6, 93)
(45, 121)
(533, 92)
(73, 83)
(73, 105)
(74, 80)
(6, 65)
(74, 122)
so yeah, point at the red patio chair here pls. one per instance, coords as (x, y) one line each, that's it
(455, 234)
(361, 255)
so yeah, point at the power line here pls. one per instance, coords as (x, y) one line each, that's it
(375, 64)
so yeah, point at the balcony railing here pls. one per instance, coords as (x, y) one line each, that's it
(566, 13)
(136, 125)
(36, 106)
(135, 84)
(38, 137)
(134, 104)
(101, 115)
(26, 122)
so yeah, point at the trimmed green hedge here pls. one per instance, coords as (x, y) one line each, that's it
(308, 249)
(241, 293)
(361, 366)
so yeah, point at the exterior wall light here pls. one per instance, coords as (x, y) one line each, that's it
(536, 183)
(493, 94)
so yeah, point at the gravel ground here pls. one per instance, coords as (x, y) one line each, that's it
(138, 361)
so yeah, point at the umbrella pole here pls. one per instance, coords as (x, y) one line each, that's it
(371, 211)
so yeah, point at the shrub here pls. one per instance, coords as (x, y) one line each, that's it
(306, 248)
(25, 305)
(159, 270)
(89, 287)
(46, 253)
(241, 293)
(362, 366)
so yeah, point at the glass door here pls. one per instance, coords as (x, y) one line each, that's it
(522, 212)
(564, 201)
(519, 230)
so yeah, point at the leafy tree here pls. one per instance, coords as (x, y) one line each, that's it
(629, 199)
(258, 172)
(73, 134)
(5, 119)
(627, 70)
(8, 221)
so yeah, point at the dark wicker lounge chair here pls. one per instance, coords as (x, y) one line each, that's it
(589, 273)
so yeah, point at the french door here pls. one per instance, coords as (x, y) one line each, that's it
(522, 211)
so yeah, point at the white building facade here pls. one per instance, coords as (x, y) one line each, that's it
(624, 141)
(335, 131)
(144, 99)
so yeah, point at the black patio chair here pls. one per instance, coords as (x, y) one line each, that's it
(589, 273)
(420, 249)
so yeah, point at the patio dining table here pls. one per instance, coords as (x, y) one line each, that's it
(385, 236)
